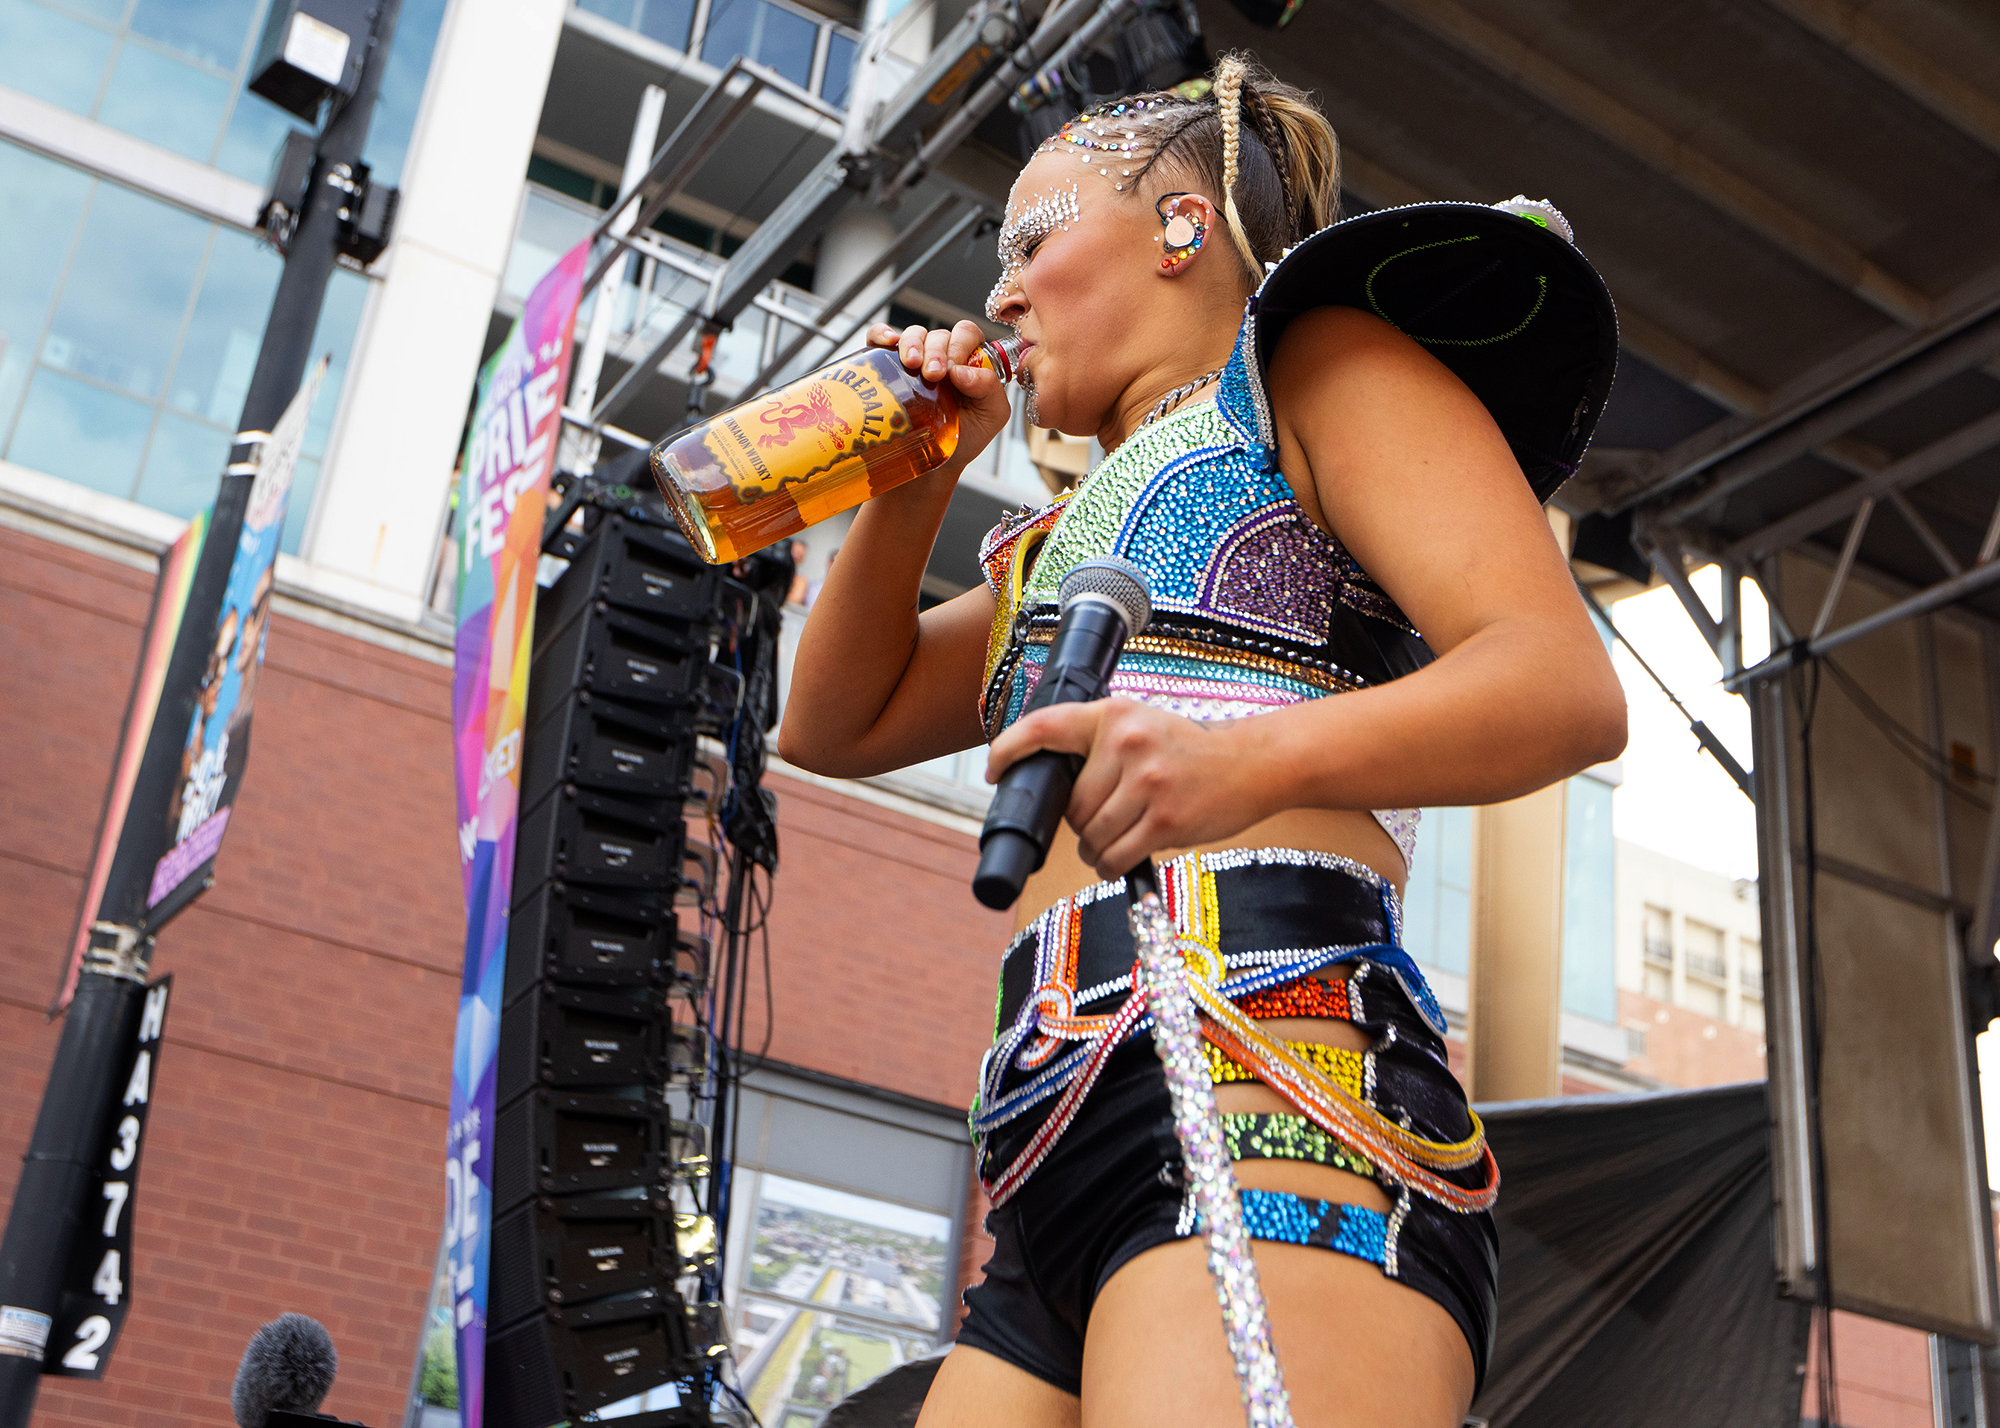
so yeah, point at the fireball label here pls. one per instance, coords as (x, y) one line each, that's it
(808, 428)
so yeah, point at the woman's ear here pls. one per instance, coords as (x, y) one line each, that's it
(1185, 221)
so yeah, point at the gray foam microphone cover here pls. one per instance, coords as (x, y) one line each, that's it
(1111, 578)
(289, 1364)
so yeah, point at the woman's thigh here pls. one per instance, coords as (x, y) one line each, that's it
(1356, 1347)
(975, 1389)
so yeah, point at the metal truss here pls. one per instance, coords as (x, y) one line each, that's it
(885, 150)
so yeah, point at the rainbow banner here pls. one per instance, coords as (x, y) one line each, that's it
(163, 625)
(503, 499)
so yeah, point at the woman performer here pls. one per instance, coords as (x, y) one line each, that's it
(1306, 488)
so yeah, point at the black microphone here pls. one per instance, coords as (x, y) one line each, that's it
(1104, 603)
(287, 1369)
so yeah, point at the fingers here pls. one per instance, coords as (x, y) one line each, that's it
(1066, 728)
(937, 354)
(1120, 790)
(934, 352)
(966, 339)
(1114, 804)
(978, 383)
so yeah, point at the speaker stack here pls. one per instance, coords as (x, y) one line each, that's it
(597, 1243)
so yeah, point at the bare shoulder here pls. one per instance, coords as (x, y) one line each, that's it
(1333, 353)
(1387, 450)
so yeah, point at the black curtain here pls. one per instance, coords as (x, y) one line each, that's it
(1636, 1288)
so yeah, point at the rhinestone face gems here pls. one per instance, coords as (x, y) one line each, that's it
(1184, 231)
(1020, 235)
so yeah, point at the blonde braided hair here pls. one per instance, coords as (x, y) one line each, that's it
(1229, 75)
(1280, 186)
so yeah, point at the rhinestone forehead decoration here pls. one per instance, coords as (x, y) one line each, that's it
(1110, 132)
(1018, 234)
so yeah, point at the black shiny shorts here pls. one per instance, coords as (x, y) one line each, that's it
(1110, 1188)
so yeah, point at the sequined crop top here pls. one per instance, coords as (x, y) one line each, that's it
(1254, 607)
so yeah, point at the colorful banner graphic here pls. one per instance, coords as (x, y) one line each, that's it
(178, 848)
(218, 737)
(163, 624)
(504, 483)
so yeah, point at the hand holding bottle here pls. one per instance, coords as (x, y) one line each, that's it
(931, 354)
(828, 441)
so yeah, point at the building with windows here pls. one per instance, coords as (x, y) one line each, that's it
(1690, 971)
(132, 166)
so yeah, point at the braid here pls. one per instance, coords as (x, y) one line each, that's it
(1229, 75)
(1274, 145)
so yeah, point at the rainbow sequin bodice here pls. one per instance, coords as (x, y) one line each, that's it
(1254, 607)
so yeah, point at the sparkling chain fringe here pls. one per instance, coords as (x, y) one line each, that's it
(1210, 1176)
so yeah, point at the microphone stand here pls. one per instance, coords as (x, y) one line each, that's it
(1206, 1168)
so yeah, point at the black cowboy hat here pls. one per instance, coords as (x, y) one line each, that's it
(1499, 294)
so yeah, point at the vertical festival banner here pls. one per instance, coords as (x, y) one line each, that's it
(180, 848)
(503, 499)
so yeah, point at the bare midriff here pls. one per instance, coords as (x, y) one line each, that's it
(1346, 834)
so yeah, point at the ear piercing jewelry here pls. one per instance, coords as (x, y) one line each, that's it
(1185, 233)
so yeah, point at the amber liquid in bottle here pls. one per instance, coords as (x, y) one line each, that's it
(786, 460)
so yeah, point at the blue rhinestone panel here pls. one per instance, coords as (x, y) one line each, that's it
(1291, 1219)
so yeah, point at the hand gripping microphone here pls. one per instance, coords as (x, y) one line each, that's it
(1104, 603)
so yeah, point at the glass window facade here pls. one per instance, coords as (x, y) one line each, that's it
(841, 49)
(172, 72)
(129, 327)
(128, 331)
(785, 39)
(1590, 914)
(1437, 901)
(779, 38)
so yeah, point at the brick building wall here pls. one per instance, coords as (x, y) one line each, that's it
(293, 1158)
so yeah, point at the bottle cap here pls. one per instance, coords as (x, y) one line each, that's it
(1004, 355)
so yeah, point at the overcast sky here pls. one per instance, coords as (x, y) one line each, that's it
(1676, 799)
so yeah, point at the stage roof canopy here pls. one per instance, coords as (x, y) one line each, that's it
(1796, 204)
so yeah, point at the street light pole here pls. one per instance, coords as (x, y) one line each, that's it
(55, 1189)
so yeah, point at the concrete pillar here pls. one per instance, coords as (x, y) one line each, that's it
(1515, 1033)
(851, 242)
(895, 42)
(389, 463)
(604, 311)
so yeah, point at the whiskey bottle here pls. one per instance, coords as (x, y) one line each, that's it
(789, 459)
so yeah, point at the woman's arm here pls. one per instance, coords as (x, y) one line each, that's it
(875, 685)
(1384, 446)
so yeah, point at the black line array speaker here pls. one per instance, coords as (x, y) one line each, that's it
(563, 1362)
(602, 979)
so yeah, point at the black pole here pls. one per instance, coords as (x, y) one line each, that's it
(49, 1201)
